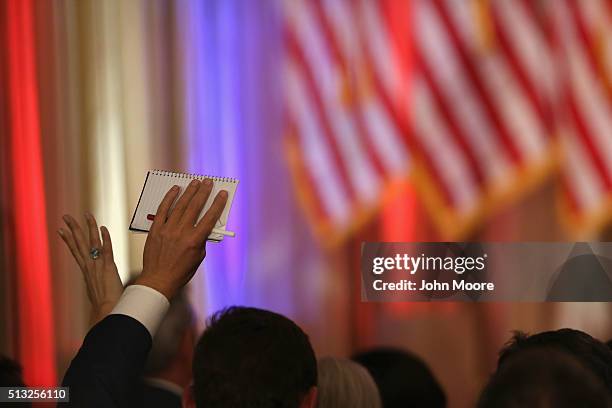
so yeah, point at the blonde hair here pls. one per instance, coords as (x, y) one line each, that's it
(345, 383)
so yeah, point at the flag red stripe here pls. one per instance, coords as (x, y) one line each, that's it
(406, 130)
(304, 176)
(445, 108)
(527, 83)
(385, 100)
(478, 86)
(583, 133)
(297, 54)
(588, 46)
(391, 108)
(530, 8)
(341, 61)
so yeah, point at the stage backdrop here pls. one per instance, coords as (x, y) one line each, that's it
(95, 93)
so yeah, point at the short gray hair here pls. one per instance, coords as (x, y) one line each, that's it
(345, 383)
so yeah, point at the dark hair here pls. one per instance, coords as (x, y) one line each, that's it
(10, 373)
(403, 379)
(255, 358)
(11, 376)
(543, 377)
(590, 352)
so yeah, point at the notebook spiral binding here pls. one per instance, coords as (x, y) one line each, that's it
(193, 176)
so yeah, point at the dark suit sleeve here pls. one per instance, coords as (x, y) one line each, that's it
(109, 363)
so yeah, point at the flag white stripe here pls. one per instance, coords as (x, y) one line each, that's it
(582, 177)
(439, 145)
(593, 13)
(316, 151)
(329, 80)
(528, 43)
(344, 27)
(599, 16)
(508, 96)
(591, 100)
(379, 46)
(382, 131)
(517, 113)
(390, 148)
(468, 112)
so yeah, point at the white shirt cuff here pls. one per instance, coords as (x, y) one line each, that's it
(144, 304)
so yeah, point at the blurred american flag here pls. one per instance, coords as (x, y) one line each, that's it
(349, 138)
(498, 89)
(583, 43)
(481, 101)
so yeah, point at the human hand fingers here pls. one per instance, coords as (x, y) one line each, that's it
(107, 245)
(94, 233)
(162, 211)
(79, 237)
(68, 239)
(195, 206)
(207, 223)
(182, 203)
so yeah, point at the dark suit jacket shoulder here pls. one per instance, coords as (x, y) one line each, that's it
(109, 363)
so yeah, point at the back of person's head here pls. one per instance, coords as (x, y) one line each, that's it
(344, 383)
(544, 378)
(403, 379)
(174, 339)
(249, 357)
(11, 376)
(10, 373)
(592, 353)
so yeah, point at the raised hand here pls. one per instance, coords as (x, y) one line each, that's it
(95, 258)
(176, 246)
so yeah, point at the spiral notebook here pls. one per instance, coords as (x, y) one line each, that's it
(157, 184)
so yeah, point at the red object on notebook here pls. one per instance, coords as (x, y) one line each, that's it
(150, 217)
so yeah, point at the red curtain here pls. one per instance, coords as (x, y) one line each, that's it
(24, 223)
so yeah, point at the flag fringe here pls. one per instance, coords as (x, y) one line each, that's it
(453, 226)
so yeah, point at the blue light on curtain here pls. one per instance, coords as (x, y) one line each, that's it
(213, 125)
(231, 55)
